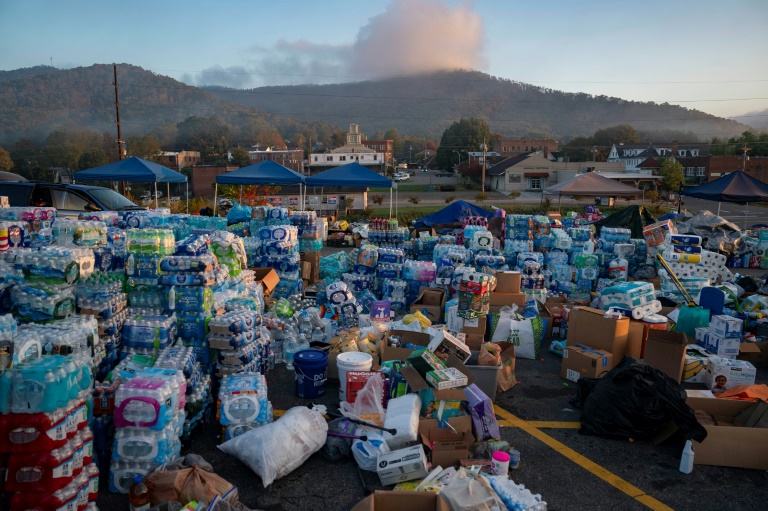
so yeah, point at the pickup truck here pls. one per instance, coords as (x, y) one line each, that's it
(69, 200)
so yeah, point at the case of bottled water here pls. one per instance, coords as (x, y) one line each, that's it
(145, 403)
(55, 265)
(242, 399)
(150, 241)
(43, 303)
(147, 329)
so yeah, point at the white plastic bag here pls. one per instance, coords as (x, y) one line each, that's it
(366, 452)
(277, 449)
(367, 405)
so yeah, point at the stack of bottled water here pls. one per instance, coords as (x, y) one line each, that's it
(12, 235)
(516, 497)
(44, 430)
(109, 218)
(198, 393)
(37, 218)
(229, 251)
(242, 404)
(344, 303)
(395, 292)
(101, 295)
(280, 250)
(268, 215)
(310, 231)
(237, 341)
(149, 419)
(145, 248)
(43, 302)
(79, 233)
(147, 332)
(417, 274)
(77, 336)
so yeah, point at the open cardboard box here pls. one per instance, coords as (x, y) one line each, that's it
(387, 352)
(402, 501)
(728, 445)
(590, 327)
(269, 279)
(499, 300)
(552, 308)
(432, 301)
(508, 281)
(448, 448)
(665, 350)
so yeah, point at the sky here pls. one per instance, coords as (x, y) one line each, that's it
(704, 54)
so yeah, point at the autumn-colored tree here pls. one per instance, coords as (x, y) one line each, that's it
(254, 195)
(144, 146)
(377, 199)
(414, 199)
(6, 164)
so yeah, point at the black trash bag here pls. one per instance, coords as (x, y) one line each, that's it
(748, 284)
(634, 400)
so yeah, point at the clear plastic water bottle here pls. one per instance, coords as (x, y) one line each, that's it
(290, 347)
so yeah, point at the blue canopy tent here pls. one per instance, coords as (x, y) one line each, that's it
(134, 170)
(734, 187)
(452, 213)
(265, 173)
(353, 174)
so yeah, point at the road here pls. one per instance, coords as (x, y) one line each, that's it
(740, 214)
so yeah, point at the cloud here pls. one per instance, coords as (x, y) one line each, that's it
(408, 37)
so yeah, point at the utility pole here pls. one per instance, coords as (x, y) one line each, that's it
(482, 182)
(744, 159)
(119, 134)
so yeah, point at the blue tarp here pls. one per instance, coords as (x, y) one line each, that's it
(134, 170)
(264, 173)
(735, 187)
(351, 174)
(452, 213)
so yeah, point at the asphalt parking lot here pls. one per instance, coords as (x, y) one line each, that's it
(570, 470)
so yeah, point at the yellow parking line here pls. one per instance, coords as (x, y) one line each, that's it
(555, 424)
(609, 477)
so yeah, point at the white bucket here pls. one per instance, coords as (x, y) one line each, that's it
(351, 361)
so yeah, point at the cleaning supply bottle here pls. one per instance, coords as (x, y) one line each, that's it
(686, 460)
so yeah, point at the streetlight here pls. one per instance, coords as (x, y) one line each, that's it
(410, 148)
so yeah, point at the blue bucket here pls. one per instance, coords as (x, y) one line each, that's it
(311, 373)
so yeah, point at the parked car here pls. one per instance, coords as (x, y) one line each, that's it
(69, 200)
(402, 177)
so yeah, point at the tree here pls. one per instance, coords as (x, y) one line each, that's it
(623, 133)
(450, 199)
(144, 146)
(6, 164)
(240, 157)
(91, 159)
(414, 199)
(672, 175)
(462, 136)
(253, 195)
(514, 194)
(653, 196)
(377, 199)
(63, 148)
(209, 135)
(338, 139)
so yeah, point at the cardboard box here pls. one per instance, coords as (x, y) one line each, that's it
(730, 445)
(441, 404)
(584, 362)
(446, 343)
(665, 351)
(735, 372)
(751, 352)
(695, 366)
(448, 378)
(268, 278)
(306, 270)
(314, 259)
(756, 416)
(554, 311)
(423, 232)
(499, 300)
(589, 327)
(508, 281)
(722, 346)
(402, 465)
(402, 501)
(636, 337)
(387, 352)
(726, 326)
(431, 302)
(426, 393)
(447, 447)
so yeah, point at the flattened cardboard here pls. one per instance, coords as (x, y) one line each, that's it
(751, 352)
(729, 445)
(665, 350)
(589, 327)
(402, 501)
(447, 447)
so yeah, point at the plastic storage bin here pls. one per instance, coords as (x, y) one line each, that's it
(487, 376)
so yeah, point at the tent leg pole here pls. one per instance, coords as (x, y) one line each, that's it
(745, 217)
(215, 196)
(718, 208)
(187, 196)
(155, 194)
(169, 195)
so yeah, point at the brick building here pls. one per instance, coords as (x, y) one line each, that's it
(719, 166)
(384, 147)
(291, 158)
(203, 176)
(516, 147)
(179, 160)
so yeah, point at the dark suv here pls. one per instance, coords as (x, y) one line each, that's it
(69, 200)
